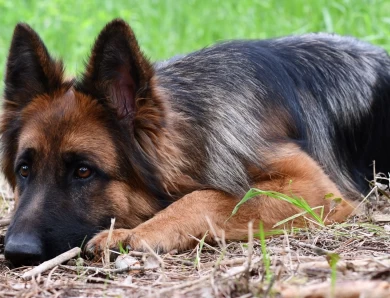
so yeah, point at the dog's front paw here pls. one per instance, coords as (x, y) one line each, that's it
(120, 238)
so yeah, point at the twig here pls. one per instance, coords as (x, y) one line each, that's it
(205, 278)
(382, 192)
(374, 173)
(231, 262)
(288, 250)
(137, 253)
(320, 265)
(214, 232)
(365, 199)
(184, 285)
(319, 251)
(58, 260)
(152, 252)
(107, 247)
(130, 253)
(116, 283)
(205, 244)
(48, 280)
(184, 262)
(102, 270)
(250, 249)
(5, 222)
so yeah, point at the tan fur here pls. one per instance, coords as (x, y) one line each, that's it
(170, 228)
(131, 207)
(42, 127)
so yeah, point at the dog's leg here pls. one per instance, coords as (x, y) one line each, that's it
(294, 174)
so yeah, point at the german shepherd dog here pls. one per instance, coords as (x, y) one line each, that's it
(169, 149)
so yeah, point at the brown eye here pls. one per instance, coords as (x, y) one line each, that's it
(24, 171)
(83, 172)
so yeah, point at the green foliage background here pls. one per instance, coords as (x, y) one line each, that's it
(166, 28)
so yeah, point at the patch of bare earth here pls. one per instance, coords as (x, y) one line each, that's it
(299, 265)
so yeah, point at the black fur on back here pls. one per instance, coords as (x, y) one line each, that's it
(327, 93)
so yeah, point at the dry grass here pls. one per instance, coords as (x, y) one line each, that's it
(299, 264)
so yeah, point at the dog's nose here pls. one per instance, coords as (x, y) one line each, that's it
(23, 249)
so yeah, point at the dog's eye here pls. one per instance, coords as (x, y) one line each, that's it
(83, 172)
(24, 171)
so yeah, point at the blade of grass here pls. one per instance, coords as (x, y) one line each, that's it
(266, 260)
(295, 216)
(296, 201)
(199, 251)
(333, 258)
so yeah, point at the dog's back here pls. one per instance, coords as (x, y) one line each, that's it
(327, 93)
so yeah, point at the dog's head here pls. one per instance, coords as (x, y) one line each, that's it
(78, 152)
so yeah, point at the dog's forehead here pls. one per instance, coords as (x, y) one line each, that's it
(67, 122)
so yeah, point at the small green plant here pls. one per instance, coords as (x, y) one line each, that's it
(79, 260)
(122, 250)
(266, 259)
(276, 232)
(282, 222)
(333, 258)
(201, 243)
(82, 243)
(296, 201)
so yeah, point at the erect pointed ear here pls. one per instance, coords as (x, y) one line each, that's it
(117, 71)
(30, 70)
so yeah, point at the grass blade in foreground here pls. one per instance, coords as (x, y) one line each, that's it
(296, 201)
(266, 259)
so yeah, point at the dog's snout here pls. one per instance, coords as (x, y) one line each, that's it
(23, 249)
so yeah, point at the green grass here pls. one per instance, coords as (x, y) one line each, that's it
(166, 28)
(333, 258)
(292, 199)
(199, 251)
(301, 204)
(266, 257)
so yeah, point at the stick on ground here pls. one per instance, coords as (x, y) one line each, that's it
(106, 251)
(5, 222)
(58, 260)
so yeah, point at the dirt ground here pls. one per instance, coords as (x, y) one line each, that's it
(296, 264)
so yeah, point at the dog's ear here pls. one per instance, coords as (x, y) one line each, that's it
(30, 70)
(117, 71)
